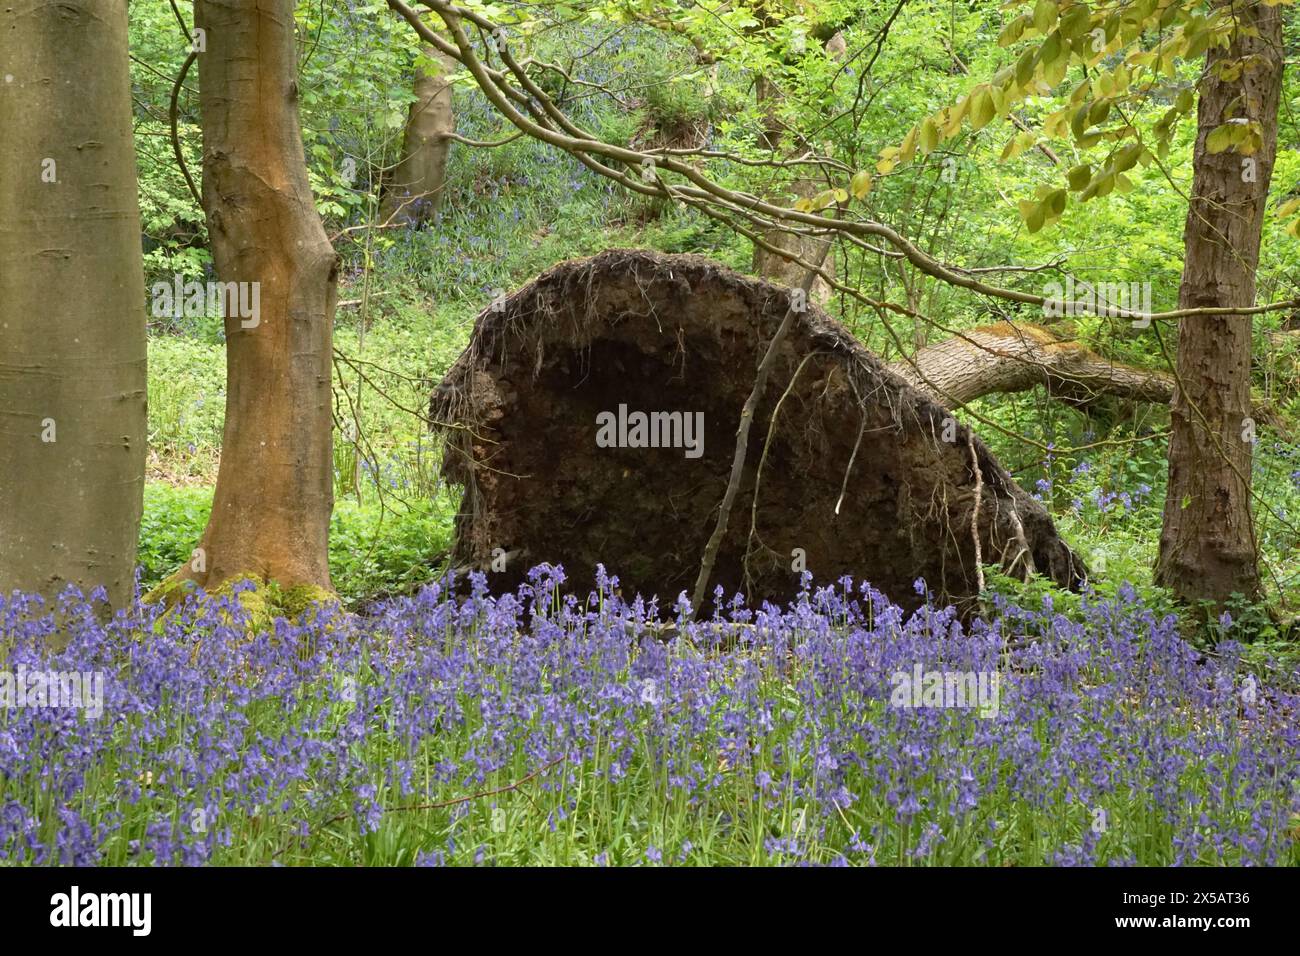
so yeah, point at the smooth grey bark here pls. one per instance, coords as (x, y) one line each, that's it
(72, 309)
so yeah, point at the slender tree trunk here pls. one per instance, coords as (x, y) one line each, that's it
(1207, 544)
(414, 195)
(771, 265)
(72, 317)
(271, 510)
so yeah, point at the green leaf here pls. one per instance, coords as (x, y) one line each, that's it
(1220, 138)
(1076, 21)
(1127, 157)
(1079, 121)
(929, 135)
(1034, 215)
(1051, 51)
(982, 108)
(1044, 15)
(1013, 31)
(1025, 66)
(1090, 139)
(1288, 207)
(860, 184)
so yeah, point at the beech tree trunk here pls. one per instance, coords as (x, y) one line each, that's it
(1015, 358)
(72, 311)
(271, 510)
(414, 195)
(1207, 543)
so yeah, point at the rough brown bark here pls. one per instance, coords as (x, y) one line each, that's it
(1015, 358)
(1207, 543)
(861, 472)
(274, 494)
(414, 194)
(72, 316)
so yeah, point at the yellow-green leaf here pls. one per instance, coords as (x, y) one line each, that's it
(982, 109)
(1025, 66)
(929, 135)
(1079, 176)
(1044, 15)
(1013, 31)
(860, 184)
(908, 149)
(1220, 138)
(1036, 218)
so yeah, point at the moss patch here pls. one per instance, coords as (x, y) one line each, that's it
(262, 602)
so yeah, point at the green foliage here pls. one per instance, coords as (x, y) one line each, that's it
(376, 553)
(173, 522)
(373, 551)
(187, 405)
(513, 210)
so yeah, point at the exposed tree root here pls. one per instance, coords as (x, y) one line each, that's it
(655, 333)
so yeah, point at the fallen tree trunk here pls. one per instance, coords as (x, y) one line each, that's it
(1006, 357)
(1015, 358)
(592, 420)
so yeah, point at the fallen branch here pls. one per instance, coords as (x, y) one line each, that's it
(742, 432)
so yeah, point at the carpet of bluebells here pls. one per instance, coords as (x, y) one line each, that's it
(536, 727)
